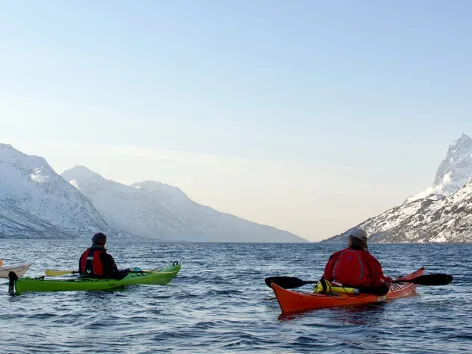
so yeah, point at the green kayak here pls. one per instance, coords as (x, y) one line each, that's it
(158, 277)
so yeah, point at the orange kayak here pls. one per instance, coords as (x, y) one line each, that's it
(295, 301)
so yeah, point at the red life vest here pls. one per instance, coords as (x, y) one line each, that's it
(350, 269)
(90, 263)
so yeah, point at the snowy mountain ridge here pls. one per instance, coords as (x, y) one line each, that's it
(36, 202)
(156, 210)
(453, 172)
(441, 213)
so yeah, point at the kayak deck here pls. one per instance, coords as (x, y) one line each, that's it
(158, 277)
(294, 301)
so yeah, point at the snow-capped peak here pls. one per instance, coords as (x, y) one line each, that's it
(82, 173)
(36, 202)
(157, 210)
(453, 172)
(6, 146)
(9, 154)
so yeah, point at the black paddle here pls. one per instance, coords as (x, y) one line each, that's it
(288, 282)
(428, 279)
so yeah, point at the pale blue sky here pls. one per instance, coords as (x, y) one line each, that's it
(306, 115)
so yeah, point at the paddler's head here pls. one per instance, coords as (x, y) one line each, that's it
(357, 239)
(99, 239)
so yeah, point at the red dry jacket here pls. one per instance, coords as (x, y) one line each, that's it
(355, 268)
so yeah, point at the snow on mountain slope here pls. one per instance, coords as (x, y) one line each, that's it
(446, 220)
(442, 213)
(160, 211)
(36, 202)
(210, 223)
(453, 172)
(124, 207)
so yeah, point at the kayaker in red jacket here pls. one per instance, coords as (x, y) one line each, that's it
(96, 262)
(355, 267)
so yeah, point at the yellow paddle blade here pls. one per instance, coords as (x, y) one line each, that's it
(55, 273)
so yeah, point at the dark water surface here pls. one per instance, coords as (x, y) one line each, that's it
(219, 303)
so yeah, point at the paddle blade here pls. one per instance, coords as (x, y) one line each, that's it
(433, 279)
(287, 282)
(1, 262)
(55, 273)
(428, 279)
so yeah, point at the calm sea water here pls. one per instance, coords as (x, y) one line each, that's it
(219, 303)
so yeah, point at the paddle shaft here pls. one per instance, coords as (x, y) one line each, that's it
(305, 282)
(429, 279)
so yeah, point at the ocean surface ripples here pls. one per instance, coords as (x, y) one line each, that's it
(220, 303)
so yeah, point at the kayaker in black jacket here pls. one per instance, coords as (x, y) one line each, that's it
(97, 263)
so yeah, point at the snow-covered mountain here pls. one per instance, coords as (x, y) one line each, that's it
(441, 213)
(453, 172)
(423, 220)
(156, 210)
(36, 202)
